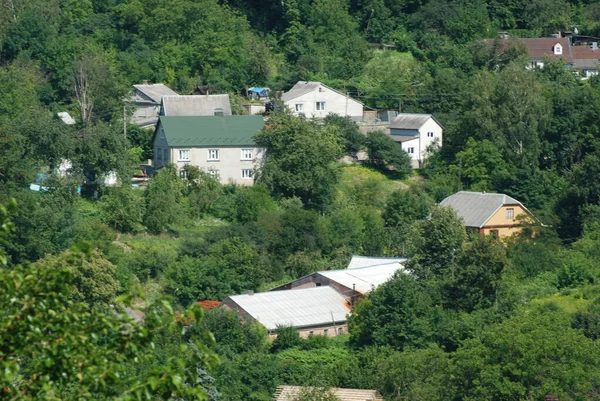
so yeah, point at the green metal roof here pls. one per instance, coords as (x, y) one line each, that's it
(211, 130)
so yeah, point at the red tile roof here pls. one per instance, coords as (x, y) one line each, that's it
(585, 53)
(539, 48)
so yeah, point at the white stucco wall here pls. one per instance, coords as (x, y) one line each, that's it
(423, 141)
(229, 165)
(334, 103)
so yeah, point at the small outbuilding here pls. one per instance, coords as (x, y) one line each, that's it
(416, 133)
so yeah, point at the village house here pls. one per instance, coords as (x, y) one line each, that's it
(416, 133)
(315, 100)
(583, 57)
(147, 100)
(195, 105)
(291, 393)
(318, 303)
(497, 215)
(221, 145)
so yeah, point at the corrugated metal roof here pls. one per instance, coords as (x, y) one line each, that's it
(476, 208)
(290, 393)
(358, 262)
(195, 105)
(211, 130)
(301, 88)
(305, 307)
(409, 121)
(155, 91)
(363, 279)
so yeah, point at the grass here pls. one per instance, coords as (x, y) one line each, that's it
(365, 185)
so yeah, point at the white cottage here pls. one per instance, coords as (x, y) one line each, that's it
(416, 133)
(315, 100)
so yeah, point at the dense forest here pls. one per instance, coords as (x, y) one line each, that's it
(476, 319)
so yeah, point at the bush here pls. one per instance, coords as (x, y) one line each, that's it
(385, 153)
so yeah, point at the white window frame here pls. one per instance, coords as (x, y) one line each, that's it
(213, 172)
(182, 153)
(247, 174)
(213, 157)
(558, 49)
(320, 106)
(247, 154)
(510, 213)
(299, 107)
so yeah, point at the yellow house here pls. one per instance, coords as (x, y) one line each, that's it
(498, 215)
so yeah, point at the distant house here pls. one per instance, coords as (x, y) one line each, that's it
(498, 215)
(586, 59)
(195, 105)
(319, 310)
(291, 393)
(147, 100)
(583, 57)
(221, 145)
(317, 303)
(315, 100)
(415, 133)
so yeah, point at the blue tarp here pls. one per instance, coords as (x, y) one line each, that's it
(262, 92)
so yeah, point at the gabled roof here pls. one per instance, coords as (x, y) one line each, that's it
(155, 91)
(211, 130)
(291, 393)
(305, 307)
(585, 53)
(540, 48)
(304, 87)
(358, 262)
(195, 105)
(364, 279)
(411, 121)
(476, 208)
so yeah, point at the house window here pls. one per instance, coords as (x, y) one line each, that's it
(247, 173)
(299, 108)
(246, 154)
(410, 150)
(162, 133)
(510, 213)
(320, 106)
(558, 49)
(340, 331)
(166, 154)
(158, 154)
(430, 134)
(213, 154)
(325, 332)
(184, 155)
(494, 234)
(310, 333)
(183, 173)
(213, 172)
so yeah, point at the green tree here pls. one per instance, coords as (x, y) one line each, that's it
(294, 165)
(163, 200)
(353, 139)
(123, 209)
(385, 153)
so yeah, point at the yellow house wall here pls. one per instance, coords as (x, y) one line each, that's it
(506, 227)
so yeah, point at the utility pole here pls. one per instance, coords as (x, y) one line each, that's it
(125, 121)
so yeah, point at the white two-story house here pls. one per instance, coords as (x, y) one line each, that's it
(416, 133)
(315, 100)
(220, 145)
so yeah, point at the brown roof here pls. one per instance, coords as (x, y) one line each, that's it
(290, 393)
(539, 48)
(585, 53)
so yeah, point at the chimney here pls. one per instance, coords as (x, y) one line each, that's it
(250, 292)
(145, 82)
(594, 46)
